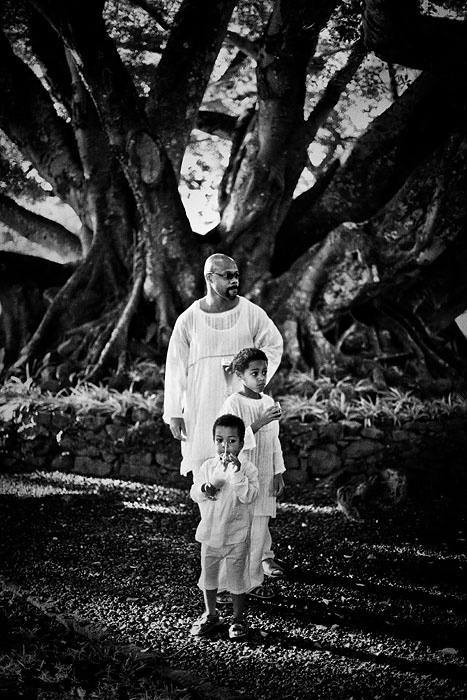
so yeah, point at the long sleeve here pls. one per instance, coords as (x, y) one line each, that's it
(245, 483)
(200, 478)
(268, 339)
(278, 457)
(226, 518)
(176, 371)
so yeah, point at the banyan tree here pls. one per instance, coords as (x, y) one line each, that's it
(350, 232)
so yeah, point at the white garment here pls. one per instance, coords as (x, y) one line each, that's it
(196, 383)
(260, 549)
(263, 448)
(227, 519)
(234, 560)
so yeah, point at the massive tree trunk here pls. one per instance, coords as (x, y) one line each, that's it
(125, 190)
(363, 272)
(269, 148)
(368, 298)
(380, 161)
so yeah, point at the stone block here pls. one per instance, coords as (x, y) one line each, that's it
(331, 431)
(91, 421)
(109, 457)
(361, 449)
(322, 462)
(296, 476)
(63, 462)
(291, 462)
(137, 459)
(62, 420)
(351, 427)
(372, 433)
(139, 414)
(43, 418)
(401, 435)
(91, 467)
(116, 432)
(307, 438)
(141, 472)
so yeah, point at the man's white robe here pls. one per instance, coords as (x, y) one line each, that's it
(196, 383)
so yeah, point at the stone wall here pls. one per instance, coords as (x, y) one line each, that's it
(137, 446)
(350, 447)
(140, 447)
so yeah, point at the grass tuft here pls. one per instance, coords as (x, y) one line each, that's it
(301, 394)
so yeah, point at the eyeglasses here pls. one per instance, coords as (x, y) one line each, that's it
(227, 275)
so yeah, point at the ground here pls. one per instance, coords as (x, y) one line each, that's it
(100, 575)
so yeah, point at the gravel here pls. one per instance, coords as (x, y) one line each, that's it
(368, 610)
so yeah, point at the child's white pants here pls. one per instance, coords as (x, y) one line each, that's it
(260, 549)
(229, 563)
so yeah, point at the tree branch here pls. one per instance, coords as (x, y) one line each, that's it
(247, 46)
(23, 231)
(216, 123)
(29, 118)
(184, 70)
(334, 90)
(382, 157)
(121, 111)
(398, 32)
(152, 12)
(50, 54)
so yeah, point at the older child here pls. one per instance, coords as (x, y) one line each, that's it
(260, 414)
(225, 489)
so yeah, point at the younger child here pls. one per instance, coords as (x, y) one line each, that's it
(225, 488)
(262, 446)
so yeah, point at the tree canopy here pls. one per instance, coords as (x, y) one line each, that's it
(322, 145)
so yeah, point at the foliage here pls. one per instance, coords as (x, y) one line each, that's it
(83, 398)
(320, 399)
(362, 401)
(49, 657)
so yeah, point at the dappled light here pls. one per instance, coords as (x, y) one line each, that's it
(374, 602)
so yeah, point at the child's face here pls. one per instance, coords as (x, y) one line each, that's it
(254, 377)
(227, 440)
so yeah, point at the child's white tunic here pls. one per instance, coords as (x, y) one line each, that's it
(227, 519)
(263, 448)
(196, 383)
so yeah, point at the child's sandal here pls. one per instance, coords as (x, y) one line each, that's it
(238, 630)
(205, 624)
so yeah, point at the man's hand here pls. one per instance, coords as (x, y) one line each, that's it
(177, 427)
(278, 485)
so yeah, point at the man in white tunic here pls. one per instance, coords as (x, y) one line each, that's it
(205, 339)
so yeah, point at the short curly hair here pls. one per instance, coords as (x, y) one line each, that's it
(243, 358)
(228, 420)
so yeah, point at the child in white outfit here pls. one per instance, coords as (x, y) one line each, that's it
(225, 488)
(260, 414)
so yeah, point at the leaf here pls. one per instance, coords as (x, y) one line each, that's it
(449, 651)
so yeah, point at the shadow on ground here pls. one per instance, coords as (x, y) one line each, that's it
(368, 610)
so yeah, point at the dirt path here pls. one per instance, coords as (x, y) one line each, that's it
(368, 610)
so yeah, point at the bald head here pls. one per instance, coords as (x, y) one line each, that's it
(218, 262)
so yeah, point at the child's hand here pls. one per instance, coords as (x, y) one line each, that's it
(272, 413)
(277, 485)
(234, 462)
(210, 491)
